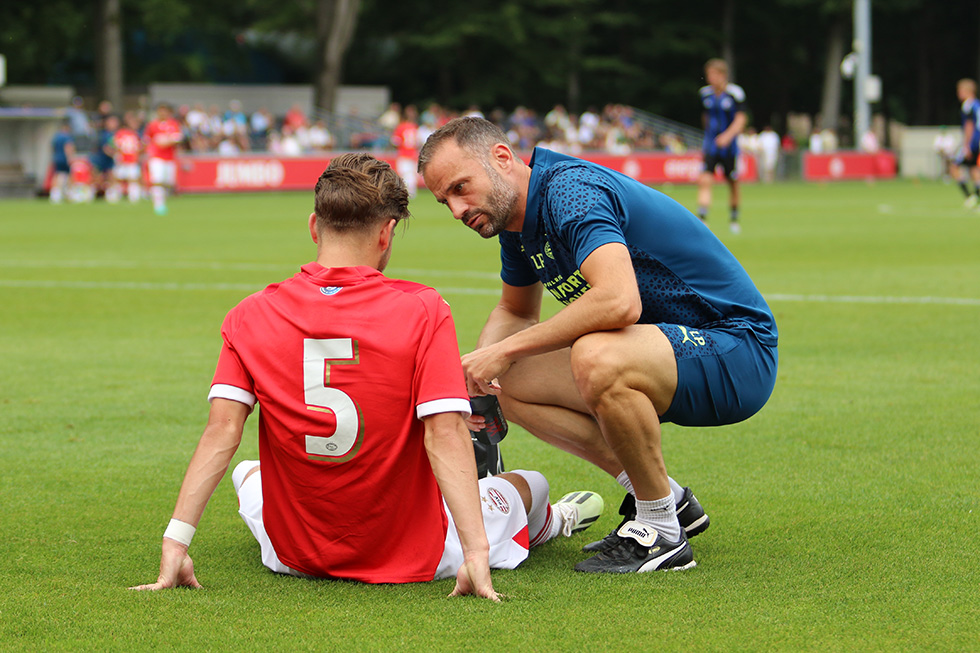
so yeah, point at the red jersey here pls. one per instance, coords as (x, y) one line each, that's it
(162, 137)
(80, 171)
(343, 363)
(405, 138)
(127, 144)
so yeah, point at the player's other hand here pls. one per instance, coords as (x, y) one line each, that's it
(176, 568)
(473, 577)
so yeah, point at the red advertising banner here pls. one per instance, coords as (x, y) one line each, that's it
(849, 165)
(205, 174)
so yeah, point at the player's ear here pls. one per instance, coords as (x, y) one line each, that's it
(313, 234)
(387, 234)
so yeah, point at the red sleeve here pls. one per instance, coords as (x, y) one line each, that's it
(231, 379)
(438, 371)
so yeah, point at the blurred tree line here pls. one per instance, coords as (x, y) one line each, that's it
(504, 53)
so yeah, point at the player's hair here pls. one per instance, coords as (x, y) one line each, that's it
(968, 84)
(717, 64)
(475, 135)
(356, 192)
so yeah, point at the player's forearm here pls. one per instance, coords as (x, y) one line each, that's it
(450, 451)
(208, 465)
(737, 126)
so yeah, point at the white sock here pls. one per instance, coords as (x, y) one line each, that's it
(159, 196)
(624, 480)
(134, 192)
(542, 523)
(675, 487)
(660, 514)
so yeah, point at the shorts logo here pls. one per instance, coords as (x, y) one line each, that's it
(692, 336)
(331, 290)
(496, 500)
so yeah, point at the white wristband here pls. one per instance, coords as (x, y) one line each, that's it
(180, 531)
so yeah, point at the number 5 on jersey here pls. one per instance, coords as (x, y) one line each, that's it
(318, 357)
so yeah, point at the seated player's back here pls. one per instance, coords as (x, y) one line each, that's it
(342, 359)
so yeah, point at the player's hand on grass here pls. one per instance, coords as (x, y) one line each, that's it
(176, 568)
(473, 577)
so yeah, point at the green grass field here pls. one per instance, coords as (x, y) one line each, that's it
(845, 516)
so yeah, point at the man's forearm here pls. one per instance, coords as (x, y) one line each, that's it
(501, 324)
(450, 452)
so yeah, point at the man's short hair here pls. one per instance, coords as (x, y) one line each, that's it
(475, 135)
(968, 84)
(717, 64)
(357, 192)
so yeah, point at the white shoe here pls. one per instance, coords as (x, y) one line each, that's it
(578, 510)
(971, 201)
(735, 227)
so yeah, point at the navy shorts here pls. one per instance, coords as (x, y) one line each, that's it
(724, 374)
(969, 160)
(727, 163)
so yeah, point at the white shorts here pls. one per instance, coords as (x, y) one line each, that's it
(162, 172)
(503, 517)
(407, 169)
(127, 171)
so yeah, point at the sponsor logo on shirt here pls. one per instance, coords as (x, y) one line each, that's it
(330, 290)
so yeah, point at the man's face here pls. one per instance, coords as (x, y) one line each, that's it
(475, 192)
(716, 77)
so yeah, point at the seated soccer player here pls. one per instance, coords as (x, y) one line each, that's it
(361, 423)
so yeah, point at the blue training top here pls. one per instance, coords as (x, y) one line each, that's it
(719, 112)
(970, 112)
(685, 275)
(58, 143)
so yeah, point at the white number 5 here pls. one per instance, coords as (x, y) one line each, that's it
(318, 356)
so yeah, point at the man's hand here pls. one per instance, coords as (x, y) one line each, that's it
(474, 578)
(723, 139)
(482, 368)
(176, 568)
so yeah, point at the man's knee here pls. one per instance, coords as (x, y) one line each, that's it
(597, 366)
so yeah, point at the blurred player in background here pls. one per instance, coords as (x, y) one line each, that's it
(660, 324)
(104, 159)
(162, 136)
(405, 138)
(367, 469)
(62, 152)
(723, 116)
(965, 165)
(128, 146)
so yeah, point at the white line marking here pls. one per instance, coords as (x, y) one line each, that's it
(453, 290)
(241, 267)
(854, 299)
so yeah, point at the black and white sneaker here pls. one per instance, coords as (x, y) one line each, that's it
(638, 548)
(690, 515)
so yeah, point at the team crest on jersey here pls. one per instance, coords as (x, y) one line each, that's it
(497, 500)
(331, 290)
